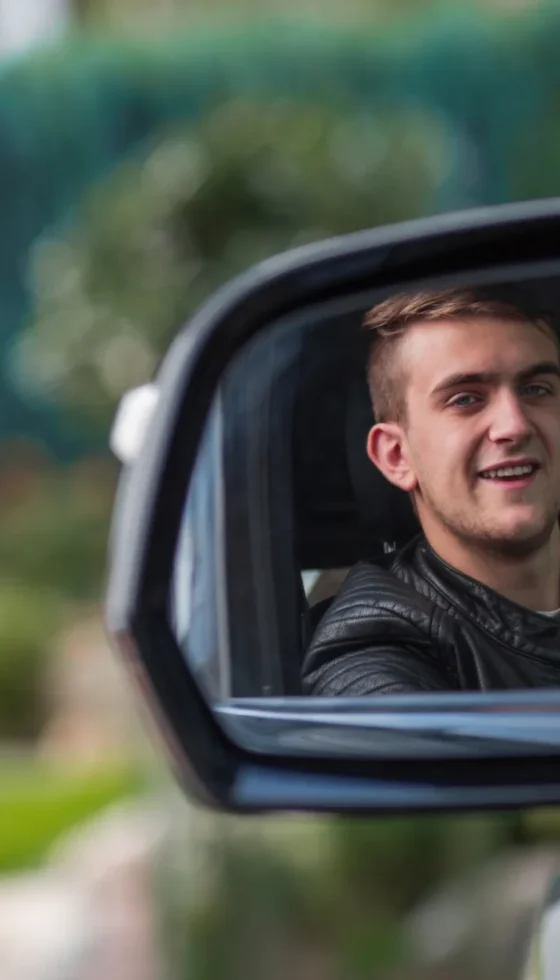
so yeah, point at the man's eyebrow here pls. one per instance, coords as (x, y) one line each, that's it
(487, 377)
(543, 367)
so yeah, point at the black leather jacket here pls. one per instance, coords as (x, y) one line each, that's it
(413, 623)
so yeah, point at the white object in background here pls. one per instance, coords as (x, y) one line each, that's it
(133, 416)
(26, 24)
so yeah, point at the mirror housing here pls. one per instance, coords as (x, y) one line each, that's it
(456, 751)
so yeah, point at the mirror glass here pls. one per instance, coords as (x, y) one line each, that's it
(325, 550)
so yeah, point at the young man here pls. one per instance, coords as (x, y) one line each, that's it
(466, 397)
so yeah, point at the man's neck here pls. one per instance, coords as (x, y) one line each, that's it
(532, 581)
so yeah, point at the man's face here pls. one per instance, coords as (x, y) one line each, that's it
(481, 443)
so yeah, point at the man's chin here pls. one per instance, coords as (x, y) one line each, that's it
(519, 537)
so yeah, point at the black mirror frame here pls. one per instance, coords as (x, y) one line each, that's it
(208, 762)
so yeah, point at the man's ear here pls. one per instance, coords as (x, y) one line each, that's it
(387, 448)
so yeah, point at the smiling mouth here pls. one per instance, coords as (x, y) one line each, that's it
(521, 473)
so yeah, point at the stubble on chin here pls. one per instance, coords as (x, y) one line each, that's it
(488, 536)
(514, 544)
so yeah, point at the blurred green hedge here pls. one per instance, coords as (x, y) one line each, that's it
(28, 618)
(244, 898)
(53, 540)
(67, 116)
(39, 803)
(150, 243)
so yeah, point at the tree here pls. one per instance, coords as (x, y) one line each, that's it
(202, 204)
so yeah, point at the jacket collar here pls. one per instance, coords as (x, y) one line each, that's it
(463, 596)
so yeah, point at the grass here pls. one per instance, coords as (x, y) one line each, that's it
(39, 802)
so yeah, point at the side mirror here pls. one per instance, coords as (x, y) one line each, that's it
(246, 496)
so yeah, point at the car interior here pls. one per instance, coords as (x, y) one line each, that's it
(301, 467)
(304, 502)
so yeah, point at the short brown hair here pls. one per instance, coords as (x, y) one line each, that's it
(389, 320)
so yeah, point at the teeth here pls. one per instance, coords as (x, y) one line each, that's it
(508, 471)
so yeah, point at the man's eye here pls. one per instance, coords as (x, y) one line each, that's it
(536, 390)
(463, 401)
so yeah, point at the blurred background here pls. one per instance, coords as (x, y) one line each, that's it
(148, 152)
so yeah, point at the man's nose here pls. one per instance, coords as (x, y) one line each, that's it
(509, 420)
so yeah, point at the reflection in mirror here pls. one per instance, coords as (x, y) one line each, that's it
(374, 508)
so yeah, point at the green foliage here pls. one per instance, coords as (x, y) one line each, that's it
(141, 16)
(153, 241)
(392, 863)
(53, 540)
(28, 618)
(293, 896)
(70, 114)
(256, 909)
(537, 169)
(53, 533)
(38, 803)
